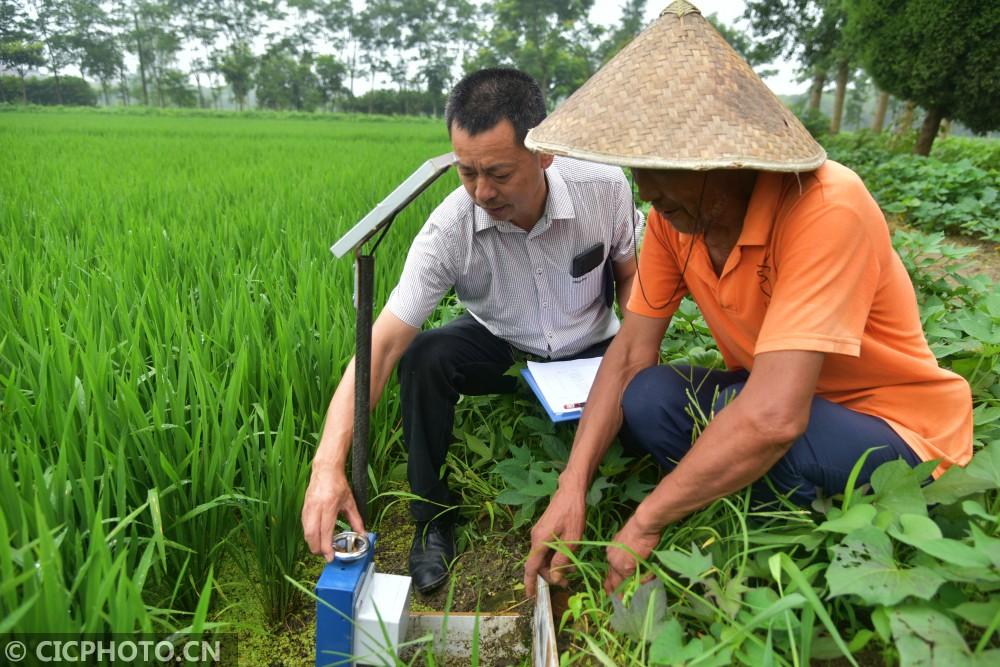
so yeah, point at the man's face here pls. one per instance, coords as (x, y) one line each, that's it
(676, 194)
(504, 178)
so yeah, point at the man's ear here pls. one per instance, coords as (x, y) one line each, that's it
(545, 159)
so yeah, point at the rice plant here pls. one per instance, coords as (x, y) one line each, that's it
(172, 329)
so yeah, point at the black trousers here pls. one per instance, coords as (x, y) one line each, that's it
(462, 357)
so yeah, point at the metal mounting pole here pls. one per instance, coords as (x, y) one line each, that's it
(377, 221)
(365, 277)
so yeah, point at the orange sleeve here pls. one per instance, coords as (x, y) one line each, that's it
(826, 272)
(659, 274)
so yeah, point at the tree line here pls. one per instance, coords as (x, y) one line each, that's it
(313, 54)
(943, 57)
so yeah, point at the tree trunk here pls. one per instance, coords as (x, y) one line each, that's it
(107, 95)
(906, 119)
(843, 71)
(55, 75)
(880, 108)
(124, 86)
(945, 130)
(201, 98)
(159, 86)
(354, 59)
(371, 89)
(928, 131)
(142, 77)
(142, 61)
(816, 92)
(24, 90)
(47, 40)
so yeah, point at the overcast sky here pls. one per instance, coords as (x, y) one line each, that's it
(608, 12)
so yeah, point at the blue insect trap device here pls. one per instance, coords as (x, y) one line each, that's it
(361, 615)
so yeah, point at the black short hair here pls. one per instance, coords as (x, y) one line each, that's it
(484, 98)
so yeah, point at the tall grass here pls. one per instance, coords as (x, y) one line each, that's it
(171, 329)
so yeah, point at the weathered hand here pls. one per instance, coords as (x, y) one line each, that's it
(564, 519)
(622, 563)
(328, 496)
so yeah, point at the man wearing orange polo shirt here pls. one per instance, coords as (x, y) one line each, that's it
(789, 259)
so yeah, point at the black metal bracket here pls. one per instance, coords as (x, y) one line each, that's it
(377, 221)
(364, 276)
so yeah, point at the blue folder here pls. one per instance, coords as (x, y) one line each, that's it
(572, 415)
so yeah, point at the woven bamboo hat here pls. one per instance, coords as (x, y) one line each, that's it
(678, 97)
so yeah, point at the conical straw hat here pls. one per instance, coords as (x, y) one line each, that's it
(678, 97)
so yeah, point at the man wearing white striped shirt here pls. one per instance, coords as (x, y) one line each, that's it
(535, 248)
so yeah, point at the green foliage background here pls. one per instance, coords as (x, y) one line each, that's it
(941, 55)
(954, 189)
(75, 91)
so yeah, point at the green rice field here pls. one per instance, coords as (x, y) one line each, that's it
(172, 326)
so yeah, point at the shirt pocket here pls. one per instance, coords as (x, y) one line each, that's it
(585, 291)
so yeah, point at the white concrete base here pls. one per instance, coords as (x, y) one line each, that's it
(544, 652)
(381, 619)
(499, 638)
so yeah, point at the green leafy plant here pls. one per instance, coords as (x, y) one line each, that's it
(957, 194)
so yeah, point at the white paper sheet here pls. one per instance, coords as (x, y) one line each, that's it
(565, 384)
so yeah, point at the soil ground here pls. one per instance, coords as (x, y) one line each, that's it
(987, 255)
(985, 260)
(486, 574)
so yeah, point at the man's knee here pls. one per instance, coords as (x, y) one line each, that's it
(656, 395)
(426, 354)
(637, 394)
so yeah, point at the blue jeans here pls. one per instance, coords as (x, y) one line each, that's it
(658, 410)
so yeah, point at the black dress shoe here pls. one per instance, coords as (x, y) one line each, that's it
(431, 554)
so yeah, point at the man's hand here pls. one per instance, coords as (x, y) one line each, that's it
(328, 496)
(564, 519)
(621, 562)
